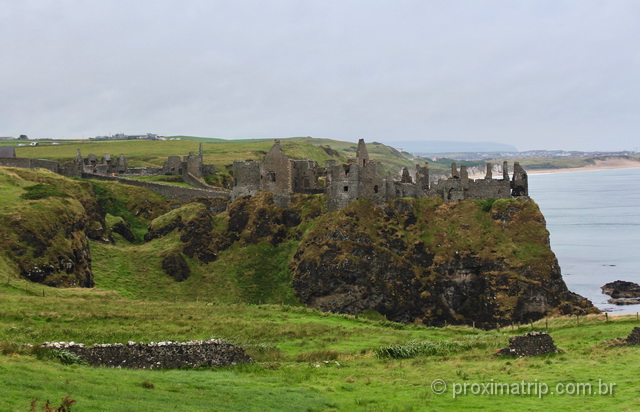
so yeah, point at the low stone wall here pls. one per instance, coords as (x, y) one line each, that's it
(29, 163)
(169, 191)
(194, 181)
(157, 355)
(530, 344)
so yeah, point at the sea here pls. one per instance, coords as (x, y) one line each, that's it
(593, 218)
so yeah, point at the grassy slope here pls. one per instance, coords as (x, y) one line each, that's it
(218, 152)
(288, 343)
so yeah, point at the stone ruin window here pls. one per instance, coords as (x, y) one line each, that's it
(346, 188)
(272, 177)
(375, 189)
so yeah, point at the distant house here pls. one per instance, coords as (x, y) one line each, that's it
(7, 151)
(6, 138)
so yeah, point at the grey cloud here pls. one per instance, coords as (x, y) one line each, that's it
(537, 74)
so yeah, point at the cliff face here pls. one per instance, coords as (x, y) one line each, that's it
(47, 222)
(433, 262)
(413, 260)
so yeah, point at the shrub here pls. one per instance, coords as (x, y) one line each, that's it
(65, 406)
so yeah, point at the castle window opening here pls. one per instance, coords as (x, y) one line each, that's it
(272, 177)
(346, 188)
(375, 189)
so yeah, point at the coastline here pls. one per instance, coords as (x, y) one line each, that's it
(599, 165)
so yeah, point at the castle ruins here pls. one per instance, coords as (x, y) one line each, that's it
(361, 178)
(278, 174)
(190, 166)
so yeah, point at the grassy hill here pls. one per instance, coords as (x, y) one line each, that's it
(141, 153)
(306, 360)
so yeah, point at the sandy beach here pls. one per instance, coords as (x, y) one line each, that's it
(599, 165)
(612, 163)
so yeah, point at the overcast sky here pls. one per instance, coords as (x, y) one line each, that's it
(536, 74)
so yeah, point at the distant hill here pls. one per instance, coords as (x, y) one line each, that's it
(441, 146)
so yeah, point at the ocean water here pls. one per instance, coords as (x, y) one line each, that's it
(593, 218)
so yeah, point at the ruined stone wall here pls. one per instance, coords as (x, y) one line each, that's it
(30, 163)
(305, 175)
(142, 171)
(157, 355)
(7, 151)
(520, 181)
(195, 182)
(168, 191)
(529, 344)
(246, 178)
(173, 166)
(193, 165)
(277, 175)
(343, 186)
(372, 186)
(276, 172)
(422, 180)
(489, 189)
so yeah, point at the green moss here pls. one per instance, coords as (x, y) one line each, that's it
(41, 191)
(184, 214)
(136, 205)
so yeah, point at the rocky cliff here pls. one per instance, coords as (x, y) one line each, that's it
(422, 260)
(413, 260)
(48, 221)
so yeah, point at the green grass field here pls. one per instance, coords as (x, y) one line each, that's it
(305, 360)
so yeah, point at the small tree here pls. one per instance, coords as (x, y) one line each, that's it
(23, 137)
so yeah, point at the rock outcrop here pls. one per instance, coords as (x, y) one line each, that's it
(621, 289)
(432, 262)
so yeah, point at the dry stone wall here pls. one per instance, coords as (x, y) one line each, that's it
(157, 355)
(530, 344)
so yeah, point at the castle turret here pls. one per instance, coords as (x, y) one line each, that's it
(505, 170)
